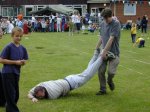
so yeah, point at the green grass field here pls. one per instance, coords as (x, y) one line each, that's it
(55, 55)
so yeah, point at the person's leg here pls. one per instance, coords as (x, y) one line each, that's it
(142, 29)
(145, 29)
(52, 26)
(17, 88)
(10, 92)
(78, 80)
(94, 58)
(57, 27)
(2, 96)
(112, 68)
(102, 78)
(60, 27)
(132, 37)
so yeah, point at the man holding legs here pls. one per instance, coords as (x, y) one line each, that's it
(109, 39)
(54, 89)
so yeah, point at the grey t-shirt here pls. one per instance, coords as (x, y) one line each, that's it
(111, 29)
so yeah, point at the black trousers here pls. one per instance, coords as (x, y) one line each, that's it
(144, 29)
(11, 91)
(2, 97)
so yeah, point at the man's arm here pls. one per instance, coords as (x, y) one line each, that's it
(99, 43)
(107, 47)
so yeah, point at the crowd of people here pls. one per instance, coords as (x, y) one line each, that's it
(52, 23)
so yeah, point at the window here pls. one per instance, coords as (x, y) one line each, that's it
(7, 11)
(4, 11)
(40, 7)
(28, 9)
(129, 9)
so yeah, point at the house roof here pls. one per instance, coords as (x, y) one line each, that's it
(98, 1)
(53, 8)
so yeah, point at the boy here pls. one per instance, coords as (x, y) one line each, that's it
(13, 57)
(140, 41)
(133, 32)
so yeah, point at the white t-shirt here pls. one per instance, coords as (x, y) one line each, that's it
(33, 19)
(53, 17)
(58, 20)
(77, 19)
(10, 27)
(73, 18)
(54, 88)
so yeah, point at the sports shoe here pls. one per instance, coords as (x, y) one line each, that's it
(101, 93)
(111, 85)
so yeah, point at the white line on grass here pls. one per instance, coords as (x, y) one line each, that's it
(140, 61)
(131, 69)
(132, 52)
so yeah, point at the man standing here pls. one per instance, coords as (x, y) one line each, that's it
(109, 39)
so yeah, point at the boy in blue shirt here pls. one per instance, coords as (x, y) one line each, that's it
(13, 57)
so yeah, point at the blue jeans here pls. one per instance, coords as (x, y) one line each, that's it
(52, 27)
(63, 26)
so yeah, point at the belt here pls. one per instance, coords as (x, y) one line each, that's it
(69, 84)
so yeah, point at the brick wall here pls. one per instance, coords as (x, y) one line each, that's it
(141, 9)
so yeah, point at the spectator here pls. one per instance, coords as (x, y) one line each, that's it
(20, 24)
(138, 22)
(10, 27)
(144, 24)
(43, 23)
(78, 22)
(63, 23)
(25, 27)
(59, 24)
(52, 22)
(133, 32)
(30, 26)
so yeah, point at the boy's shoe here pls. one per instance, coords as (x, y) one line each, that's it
(111, 85)
(101, 93)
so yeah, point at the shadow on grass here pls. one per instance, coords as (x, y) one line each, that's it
(39, 47)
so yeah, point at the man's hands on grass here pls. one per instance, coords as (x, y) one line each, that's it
(34, 100)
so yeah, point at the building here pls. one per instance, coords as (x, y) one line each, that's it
(14, 7)
(123, 9)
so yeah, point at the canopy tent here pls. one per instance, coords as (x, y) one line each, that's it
(53, 8)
